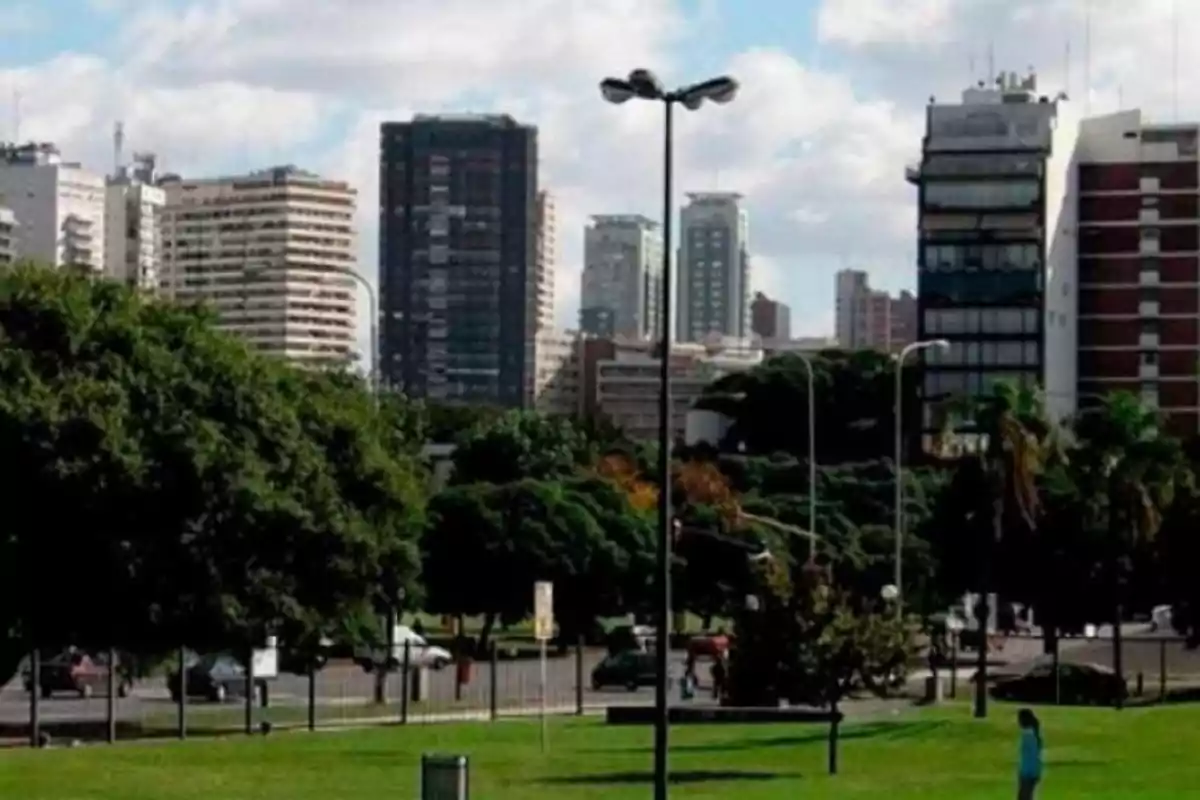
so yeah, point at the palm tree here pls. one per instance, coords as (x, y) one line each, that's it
(1012, 438)
(1125, 460)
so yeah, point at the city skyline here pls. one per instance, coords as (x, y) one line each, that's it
(223, 93)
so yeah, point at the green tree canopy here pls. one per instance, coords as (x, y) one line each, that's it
(167, 486)
(520, 445)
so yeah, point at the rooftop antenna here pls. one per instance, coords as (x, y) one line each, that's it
(1087, 57)
(118, 146)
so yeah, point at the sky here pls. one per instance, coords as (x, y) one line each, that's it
(831, 106)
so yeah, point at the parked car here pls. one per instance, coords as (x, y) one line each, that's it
(1161, 619)
(420, 652)
(215, 677)
(1079, 684)
(76, 672)
(708, 645)
(631, 669)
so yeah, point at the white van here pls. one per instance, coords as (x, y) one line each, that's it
(420, 652)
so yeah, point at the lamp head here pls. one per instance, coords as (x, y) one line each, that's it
(645, 84)
(616, 91)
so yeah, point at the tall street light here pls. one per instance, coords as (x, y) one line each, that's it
(373, 375)
(897, 577)
(644, 85)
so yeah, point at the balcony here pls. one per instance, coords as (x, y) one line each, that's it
(1149, 185)
(1148, 308)
(1149, 247)
(1148, 215)
(1148, 371)
(1148, 278)
(1148, 340)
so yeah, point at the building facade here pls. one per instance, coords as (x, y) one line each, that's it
(622, 291)
(770, 319)
(997, 258)
(58, 205)
(619, 380)
(133, 225)
(8, 235)
(540, 294)
(713, 287)
(1139, 264)
(458, 249)
(871, 319)
(271, 252)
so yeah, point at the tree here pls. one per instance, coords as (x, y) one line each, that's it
(810, 641)
(1135, 469)
(855, 406)
(520, 445)
(168, 486)
(1012, 435)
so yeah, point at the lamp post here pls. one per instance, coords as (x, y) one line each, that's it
(642, 84)
(373, 375)
(898, 574)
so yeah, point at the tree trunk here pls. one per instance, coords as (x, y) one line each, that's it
(1118, 642)
(983, 606)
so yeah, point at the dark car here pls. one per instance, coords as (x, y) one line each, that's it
(1078, 684)
(76, 672)
(215, 678)
(631, 669)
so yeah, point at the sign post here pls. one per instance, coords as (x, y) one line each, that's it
(543, 631)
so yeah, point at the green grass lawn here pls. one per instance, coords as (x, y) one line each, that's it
(1091, 753)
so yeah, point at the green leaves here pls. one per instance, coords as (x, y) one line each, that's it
(166, 485)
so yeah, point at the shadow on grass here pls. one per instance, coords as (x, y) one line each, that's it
(818, 733)
(680, 777)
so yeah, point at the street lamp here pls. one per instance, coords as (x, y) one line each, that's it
(373, 375)
(898, 576)
(644, 85)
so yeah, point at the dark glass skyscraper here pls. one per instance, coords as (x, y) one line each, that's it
(458, 245)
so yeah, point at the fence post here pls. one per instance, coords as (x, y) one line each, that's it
(405, 682)
(493, 682)
(111, 710)
(249, 691)
(579, 676)
(1162, 670)
(35, 696)
(312, 695)
(183, 692)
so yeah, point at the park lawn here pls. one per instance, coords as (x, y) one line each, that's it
(1146, 753)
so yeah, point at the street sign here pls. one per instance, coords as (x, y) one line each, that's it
(543, 610)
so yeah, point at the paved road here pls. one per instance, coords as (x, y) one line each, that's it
(517, 684)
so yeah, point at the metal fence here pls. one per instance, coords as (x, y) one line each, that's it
(342, 693)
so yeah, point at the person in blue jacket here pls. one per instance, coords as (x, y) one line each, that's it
(1029, 773)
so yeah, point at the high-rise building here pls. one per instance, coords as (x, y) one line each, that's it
(8, 234)
(770, 319)
(622, 287)
(997, 254)
(871, 319)
(133, 224)
(714, 268)
(1138, 307)
(458, 248)
(271, 252)
(58, 205)
(541, 283)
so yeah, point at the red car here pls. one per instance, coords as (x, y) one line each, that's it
(708, 645)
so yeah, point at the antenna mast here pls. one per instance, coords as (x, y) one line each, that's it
(118, 147)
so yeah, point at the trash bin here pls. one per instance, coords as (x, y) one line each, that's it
(444, 777)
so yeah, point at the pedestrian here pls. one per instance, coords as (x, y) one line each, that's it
(1029, 773)
(718, 677)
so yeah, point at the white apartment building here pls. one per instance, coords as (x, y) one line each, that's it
(626, 381)
(541, 282)
(58, 205)
(273, 252)
(8, 235)
(714, 268)
(133, 225)
(622, 277)
(556, 386)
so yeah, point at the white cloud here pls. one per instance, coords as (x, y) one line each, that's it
(818, 152)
